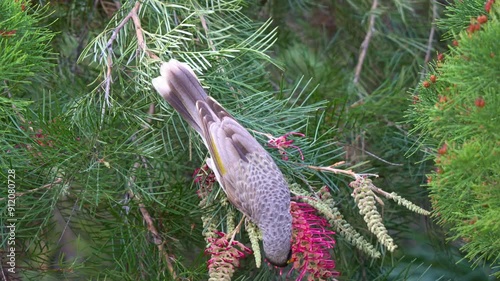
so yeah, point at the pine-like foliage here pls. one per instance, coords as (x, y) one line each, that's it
(456, 111)
(228, 51)
(25, 57)
(106, 167)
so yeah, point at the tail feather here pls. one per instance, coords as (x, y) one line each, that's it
(180, 87)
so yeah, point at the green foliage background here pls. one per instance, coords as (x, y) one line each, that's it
(457, 118)
(87, 167)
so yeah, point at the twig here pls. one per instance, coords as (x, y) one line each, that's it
(358, 103)
(3, 273)
(138, 31)
(109, 60)
(212, 46)
(118, 28)
(380, 191)
(374, 156)
(133, 14)
(269, 136)
(310, 187)
(205, 27)
(431, 38)
(151, 111)
(9, 94)
(331, 169)
(46, 186)
(396, 125)
(157, 240)
(366, 43)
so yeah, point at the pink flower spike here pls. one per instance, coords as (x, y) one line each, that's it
(224, 258)
(311, 241)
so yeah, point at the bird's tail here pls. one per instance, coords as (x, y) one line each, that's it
(180, 87)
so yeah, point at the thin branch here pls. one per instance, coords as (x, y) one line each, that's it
(151, 111)
(3, 273)
(374, 156)
(366, 43)
(205, 27)
(108, 80)
(334, 170)
(138, 31)
(380, 191)
(146, 216)
(212, 46)
(396, 125)
(430, 41)
(109, 60)
(133, 14)
(9, 94)
(157, 240)
(118, 28)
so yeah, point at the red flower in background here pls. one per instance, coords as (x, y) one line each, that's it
(283, 142)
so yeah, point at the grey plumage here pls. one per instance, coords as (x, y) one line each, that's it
(245, 170)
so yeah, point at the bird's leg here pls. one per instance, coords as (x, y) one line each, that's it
(236, 229)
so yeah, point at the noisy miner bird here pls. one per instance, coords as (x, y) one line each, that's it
(244, 169)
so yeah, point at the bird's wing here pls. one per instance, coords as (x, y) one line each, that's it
(230, 146)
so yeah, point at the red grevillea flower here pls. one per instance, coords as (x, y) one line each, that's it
(283, 142)
(225, 256)
(311, 244)
(205, 178)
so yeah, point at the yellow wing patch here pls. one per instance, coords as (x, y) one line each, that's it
(217, 159)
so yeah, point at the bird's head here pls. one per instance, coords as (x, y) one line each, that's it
(277, 246)
(279, 261)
